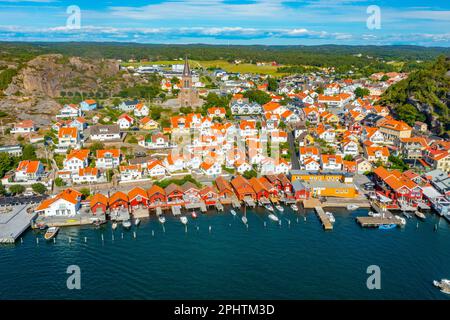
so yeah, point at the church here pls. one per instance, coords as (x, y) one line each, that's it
(188, 95)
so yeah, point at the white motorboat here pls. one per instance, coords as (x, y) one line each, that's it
(51, 233)
(162, 219)
(374, 214)
(244, 219)
(330, 217)
(269, 207)
(279, 208)
(126, 224)
(183, 220)
(114, 225)
(402, 220)
(137, 222)
(233, 212)
(294, 207)
(444, 285)
(420, 215)
(273, 217)
(194, 215)
(352, 207)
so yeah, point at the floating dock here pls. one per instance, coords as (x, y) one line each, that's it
(326, 223)
(14, 221)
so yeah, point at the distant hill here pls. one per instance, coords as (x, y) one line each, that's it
(424, 95)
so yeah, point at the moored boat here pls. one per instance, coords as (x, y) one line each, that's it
(233, 212)
(444, 285)
(352, 207)
(279, 208)
(374, 214)
(330, 217)
(269, 207)
(420, 215)
(183, 220)
(194, 215)
(244, 219)
(273, 217)
(294, 207)
(114, 225)
(402, 220)
(51, 233)
(137, 222)
(161, 219)
(126, 224)
(387, 226)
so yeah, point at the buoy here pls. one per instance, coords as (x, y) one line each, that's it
(435, 227)
(112, 238)
(265, 224)
(153, 233)
(85, 239)
(417, 226)
(210, 229)
(70, 239)
(37, 240)
(246, 225)
(103, 239)
(122, 235)
(54, 240)
(134, 234)
(289, 222)
(297, 220)
(279, 223)
(304, 218)
(21, 240)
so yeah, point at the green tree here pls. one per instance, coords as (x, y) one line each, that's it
(250, 174)
(361, 92)
(16, 189)
(257, 96)
(39, 188)
(272, 84)
(59, 182)
(96, 146)
(29, 152)
(85, 192)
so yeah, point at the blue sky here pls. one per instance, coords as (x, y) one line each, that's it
(306, 22)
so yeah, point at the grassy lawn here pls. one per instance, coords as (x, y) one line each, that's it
(220, 64)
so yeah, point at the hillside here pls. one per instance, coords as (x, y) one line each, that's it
(424, 96)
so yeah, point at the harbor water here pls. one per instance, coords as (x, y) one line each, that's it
(217, 257)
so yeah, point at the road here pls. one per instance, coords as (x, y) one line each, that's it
(294, 157)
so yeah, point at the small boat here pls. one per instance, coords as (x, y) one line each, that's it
(330, 217)
(114, 225)
(269, 207)
(402, 220)
(194, 215)
(273, 217)
(294, 207)
(387, 226)
(42, 227)
(126, 224)
(137, 222)
(244, 219)
(444, 285)
(51, 233)
(374, 214)
(279, 208)
(420, 215)
(233, 212)
(183, 220)
(161, 219)
(97, 223)
(352, 207)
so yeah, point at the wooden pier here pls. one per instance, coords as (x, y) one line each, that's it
(373, 222)
(264, 201)
(197, 205)
(235, 202)
(219, 206)
(176, 210)
(249, 202)
(158, 211)
(326, 223)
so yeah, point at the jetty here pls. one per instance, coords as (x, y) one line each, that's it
(158, 211)
(235, 202)
(14, 221)
(219, 206)
(176, 210)
(326, 223)
(373, 222)
(249, 202)
(196, 205)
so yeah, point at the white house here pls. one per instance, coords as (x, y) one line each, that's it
(311, 164)
(76, 160)
(29, 170)
(243, 167)
(331, 162)
(211, 168)
(125, 121)
(69, 111)
(105, 133)
(156, 169)
(86, 175)
(141, 110)
(107, 159)
(25, 126)
(67, 203)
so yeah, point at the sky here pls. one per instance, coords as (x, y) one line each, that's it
(267, 22)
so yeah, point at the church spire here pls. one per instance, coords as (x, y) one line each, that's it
(187, 69)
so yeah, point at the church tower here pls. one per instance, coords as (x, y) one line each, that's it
(188, 96)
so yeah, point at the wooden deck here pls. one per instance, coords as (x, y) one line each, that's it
(327, 225)
(373, 222)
